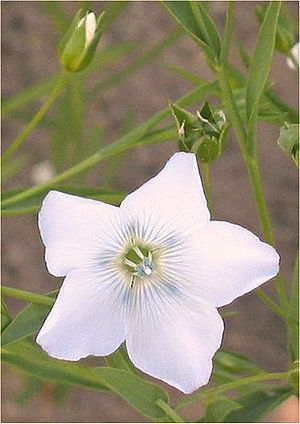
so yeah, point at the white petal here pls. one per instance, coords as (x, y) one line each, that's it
(174, 339)
(174, 199)
(88, 317)
(227, 261)
(295, 53)
(90, 28)
(76, 231)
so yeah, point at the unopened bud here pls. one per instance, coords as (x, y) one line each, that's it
(78, 45)
(294, 63)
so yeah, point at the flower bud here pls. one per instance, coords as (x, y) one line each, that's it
(78, 45)
(295, 53)
(204, 134)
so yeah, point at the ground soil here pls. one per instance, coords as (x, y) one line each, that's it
(29, 43)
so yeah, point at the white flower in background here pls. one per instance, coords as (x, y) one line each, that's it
(295, 53)
(151, 272)
(42, 172)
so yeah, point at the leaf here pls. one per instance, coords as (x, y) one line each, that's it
(119, 360)
(289, 141)
(255, 405)
(139, 393)
(28, 357)
(235, 363)
(5, 317)
(182, 13)
(260, 67)
(188, 75)
(217, 409)
(33, 203)
(27, 322)
(208, 28)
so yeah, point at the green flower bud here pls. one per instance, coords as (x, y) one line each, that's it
(207, 149)
(79, 43)
(204, 134)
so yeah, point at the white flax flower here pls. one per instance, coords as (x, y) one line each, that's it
(151, 272)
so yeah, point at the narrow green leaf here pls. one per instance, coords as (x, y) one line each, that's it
(33, 203)
(260, 68)
(217, 408)
(255, 405)
(27, 322)
(186, 74)
(207, 27)
(289, 141)
(181, 11)
(140, 394)
(28, 357)
(119, 360)
(236, 363)
(5, 317)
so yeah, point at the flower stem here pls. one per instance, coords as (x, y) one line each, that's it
(36, 119)
(169, 411)
(231, 386)
(253, 171)
(206, 182)
(25, 295)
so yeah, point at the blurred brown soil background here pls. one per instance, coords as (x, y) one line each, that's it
(28, 54)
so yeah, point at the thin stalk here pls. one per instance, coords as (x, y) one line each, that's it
(207, 187)
(169, 411)
(26, 295)
(253, 171)
(125, 142)
(228, 32)
(231, 386)
(36, 119)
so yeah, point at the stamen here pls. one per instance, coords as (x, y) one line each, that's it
(138, 252)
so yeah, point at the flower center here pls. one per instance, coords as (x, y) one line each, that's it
(139, 261)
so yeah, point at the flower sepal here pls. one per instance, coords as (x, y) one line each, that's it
(79, 43)
(204, 134)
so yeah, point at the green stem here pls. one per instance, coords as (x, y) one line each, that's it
(36, 119)
(169, 411)
(228, 32)
(206, 182)
(26, 295)
(231, 386)
(253, 171)
(125, 142)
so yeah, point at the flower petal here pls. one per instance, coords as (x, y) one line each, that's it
(174, 198)
(76, 231)
(174, 340)
(88, 317)
(227, 261)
